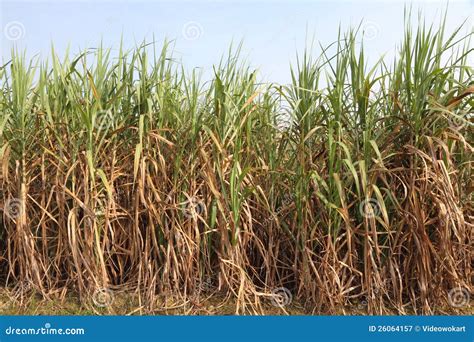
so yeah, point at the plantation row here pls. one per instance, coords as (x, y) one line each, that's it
(129, 173)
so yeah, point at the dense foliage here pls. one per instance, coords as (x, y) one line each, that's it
(352, 182)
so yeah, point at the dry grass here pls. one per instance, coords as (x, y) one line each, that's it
(127, 174)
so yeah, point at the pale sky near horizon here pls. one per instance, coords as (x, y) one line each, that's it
(272, 31)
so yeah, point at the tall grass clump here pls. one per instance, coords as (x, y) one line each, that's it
(353, 181)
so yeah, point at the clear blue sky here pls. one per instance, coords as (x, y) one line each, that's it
(272, 31)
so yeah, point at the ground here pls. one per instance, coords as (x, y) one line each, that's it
(125, 304)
